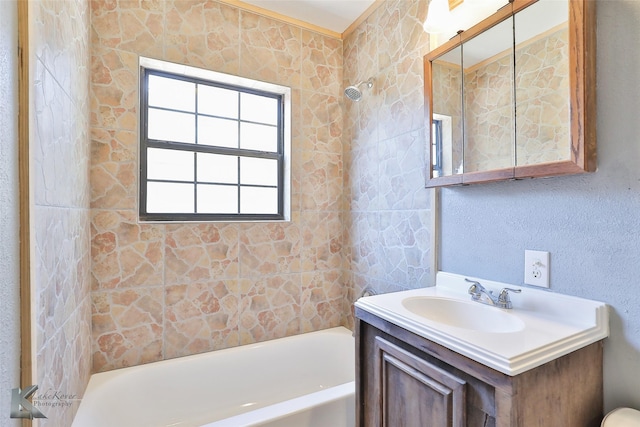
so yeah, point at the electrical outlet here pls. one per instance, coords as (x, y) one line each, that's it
(536, 268)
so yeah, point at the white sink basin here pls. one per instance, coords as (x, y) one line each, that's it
(464, 314)
(540, 327)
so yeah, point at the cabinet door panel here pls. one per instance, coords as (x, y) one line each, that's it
(415, 393)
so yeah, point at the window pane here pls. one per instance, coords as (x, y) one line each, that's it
(256, 108)
(217, 101)
(255, 200)
(212, 145)
(258, 171)
(171, 93)
(258, 137)
(217, 199)
(171, 126)
(218, 132)
(169, 165)
(169, 197)
(217, 168)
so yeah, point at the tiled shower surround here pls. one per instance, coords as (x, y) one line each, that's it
(166, 290)
(387, 209)
(360, 213)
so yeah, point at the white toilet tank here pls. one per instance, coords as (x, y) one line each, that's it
(622, 417)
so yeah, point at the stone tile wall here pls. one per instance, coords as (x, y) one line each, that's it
(59, 44)
(447, 100)
(166, 290)
(542, 72)
(387, 224)
(489, 116)
(543, 116)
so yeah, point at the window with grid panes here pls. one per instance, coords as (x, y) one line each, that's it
(211, 150)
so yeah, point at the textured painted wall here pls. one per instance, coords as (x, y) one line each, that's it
(59, 43)
(589, 223)
(387, 228)
(161, 291)
(9, 223)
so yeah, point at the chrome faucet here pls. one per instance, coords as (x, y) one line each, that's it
(476, 290)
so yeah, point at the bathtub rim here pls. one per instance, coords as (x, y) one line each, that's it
(100, 380)
(288, 407)
(340, 330)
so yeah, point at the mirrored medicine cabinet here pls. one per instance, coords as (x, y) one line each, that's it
(514, 96)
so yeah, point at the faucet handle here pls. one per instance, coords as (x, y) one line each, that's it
(503, 299)
(475, 290)
(474, 283)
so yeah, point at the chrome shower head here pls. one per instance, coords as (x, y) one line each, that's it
(354, 93)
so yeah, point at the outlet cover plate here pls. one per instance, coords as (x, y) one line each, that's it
(536, 268)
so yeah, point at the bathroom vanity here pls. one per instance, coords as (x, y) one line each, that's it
(538, 364)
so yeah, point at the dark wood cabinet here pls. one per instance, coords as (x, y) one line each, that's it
(404, 380)
(437, 396)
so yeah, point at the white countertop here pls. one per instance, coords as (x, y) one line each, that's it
(554, 324)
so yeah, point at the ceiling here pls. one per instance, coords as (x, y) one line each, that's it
(336, 16)
(333, 15)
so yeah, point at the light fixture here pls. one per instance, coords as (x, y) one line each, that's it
(438, 17)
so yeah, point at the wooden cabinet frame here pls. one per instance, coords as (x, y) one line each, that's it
(582, 75)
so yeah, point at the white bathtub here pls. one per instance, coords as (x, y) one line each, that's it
(301, 381)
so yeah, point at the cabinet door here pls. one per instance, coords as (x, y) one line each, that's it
(415, 393)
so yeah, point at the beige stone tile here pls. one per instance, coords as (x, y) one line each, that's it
(322, 123)
(269, 248)
(321, 179)
(196, 252)
(321, 241)
(127, 327)
(269, 307)
(114, 88)
(114, 180)
(400, 33)
(125, 253)
(360, 52)
(129, 25)
(323, 293)
(203, 34)
(201, 316)
(270, 50)
(321, 63)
